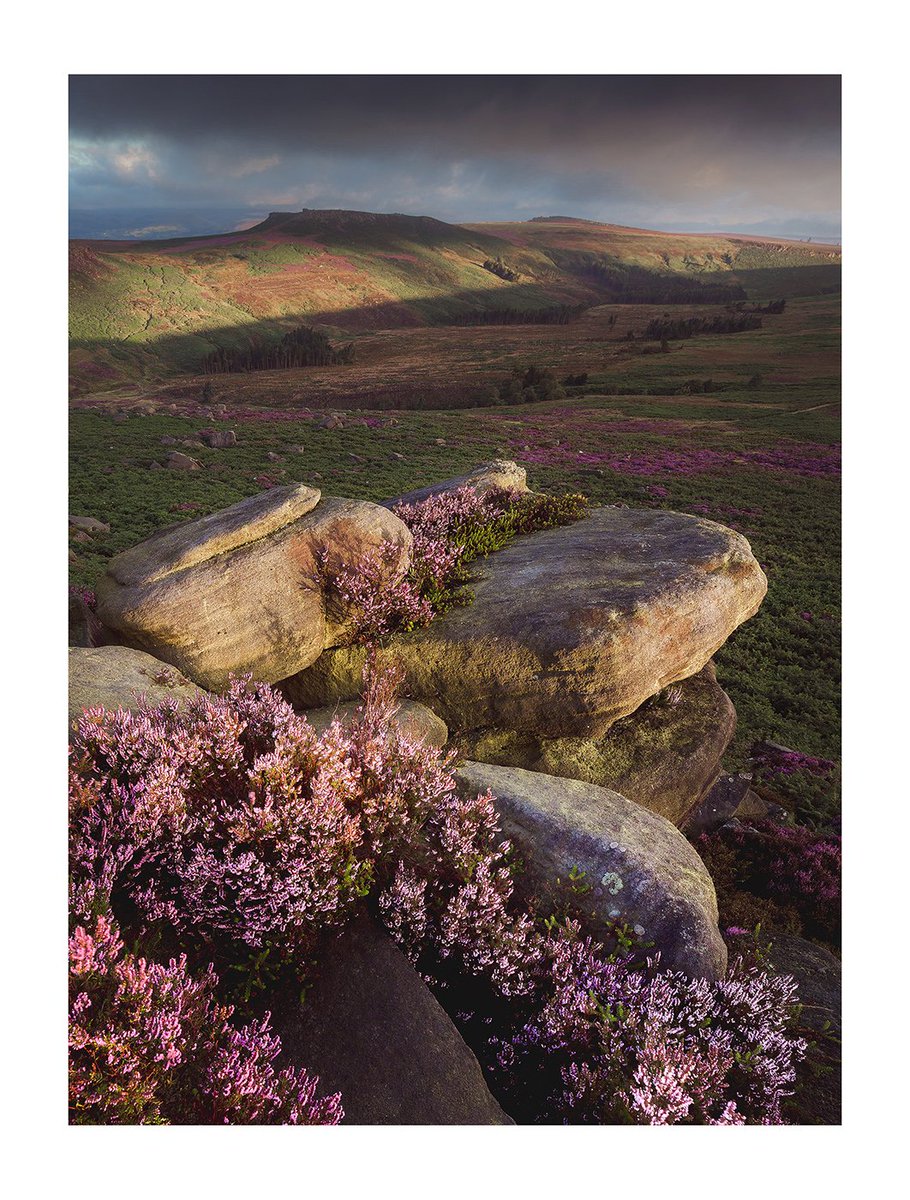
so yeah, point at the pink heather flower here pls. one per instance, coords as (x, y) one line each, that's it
(150, 1045)
(234, 824)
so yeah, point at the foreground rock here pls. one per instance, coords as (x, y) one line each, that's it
(501, 473)
(572, 628)
(242, 590)
(370, 1028)
(415, 721)
(666, 756)
(818, 976)
(638, 867)
(115, 677)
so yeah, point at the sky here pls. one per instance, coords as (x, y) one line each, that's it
(163, 155)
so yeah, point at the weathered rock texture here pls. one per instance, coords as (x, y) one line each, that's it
(639, 867)
(719, 805)
(241, 590)
(417, 722)
(115, 677)
(371, 1029)
(501, 473)
(572, 628)
(665, 756)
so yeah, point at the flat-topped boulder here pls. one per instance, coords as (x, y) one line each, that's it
(570, 629)
(242, 590)
(115, 677)
(501, 473)
(666, 756)
(636, 866)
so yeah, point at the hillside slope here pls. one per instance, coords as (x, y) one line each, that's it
(153, 310)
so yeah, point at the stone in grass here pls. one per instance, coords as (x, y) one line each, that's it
(636, 866)
(242, 590)
(370, 1028)
(501, 473)
(177, 461)
(415, 721)
(89, 525)
(115, 677)
(218, 439)
(665, 756)
(570, 629)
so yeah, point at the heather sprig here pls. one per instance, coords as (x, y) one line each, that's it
(449, 530)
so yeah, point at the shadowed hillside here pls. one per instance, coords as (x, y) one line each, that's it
(154, 310)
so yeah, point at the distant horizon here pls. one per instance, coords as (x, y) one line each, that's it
(165, 223)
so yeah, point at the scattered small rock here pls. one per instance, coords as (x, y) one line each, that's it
(218, 439)
(89, 525)
(182, 462)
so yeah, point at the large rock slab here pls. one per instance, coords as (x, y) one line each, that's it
(666, 756)
(370, 1028)
(571, 628)
(242, 590)
(114, 677)
(415, 721)
(501, 473)
(638, 866)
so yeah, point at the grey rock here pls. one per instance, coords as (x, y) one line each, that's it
(720, 804)
(638, 866)
(89, 525)
(415, 721)
(218, 439)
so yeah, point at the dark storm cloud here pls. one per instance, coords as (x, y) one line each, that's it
(640, 149)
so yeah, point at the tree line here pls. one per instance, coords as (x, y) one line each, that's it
(300, 347)
(660, 329)
(560, 314)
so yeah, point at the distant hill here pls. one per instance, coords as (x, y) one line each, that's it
(155, 309)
